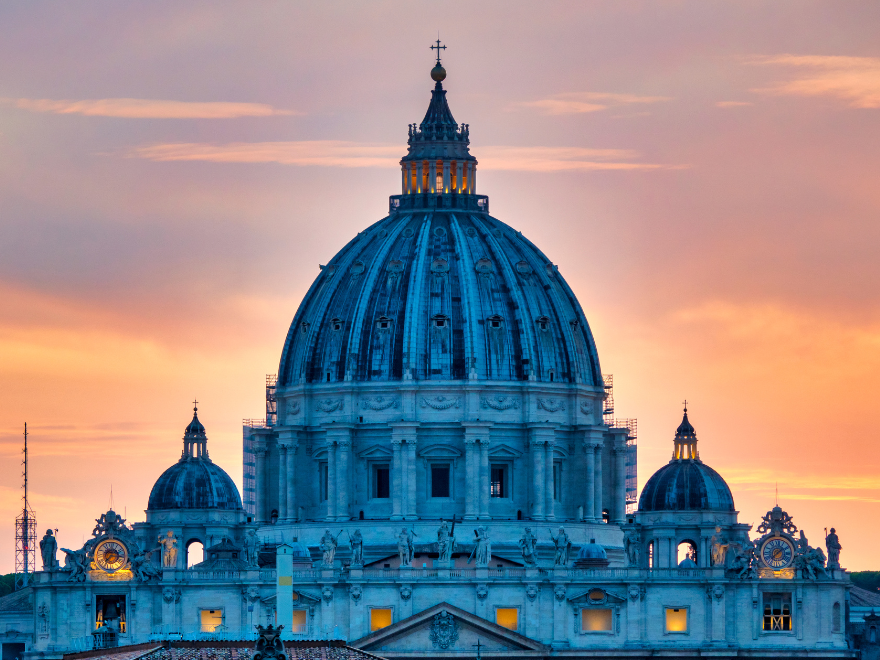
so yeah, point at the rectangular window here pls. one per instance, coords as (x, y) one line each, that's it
(498, 487)
(209, 620)
(110, 610)
(322, 478)
(381, 482)
(777, 612)
(676, 620)
(596, 619)
(557, 482)
(300, 623)
(508, 617)
(440, 481)
(380, 617)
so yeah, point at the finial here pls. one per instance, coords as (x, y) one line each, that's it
(685, 405)
(438, 73)
(195, 406)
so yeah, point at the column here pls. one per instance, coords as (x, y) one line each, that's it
(432, 176)
(396, 481)
(459, 183)
(471, 458)
(598, 498)
(292, 504)
(282, 482)
(411, 478)
(549, 505)
(260, 481)
(485, 474)
(619, 515)
(537, 479)
(343, 477)
(590, 503)
(473, 179)
(331, 481)
(447, 177)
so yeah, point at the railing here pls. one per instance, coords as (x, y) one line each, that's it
(217, 633)
(195, 574)
(268, 574)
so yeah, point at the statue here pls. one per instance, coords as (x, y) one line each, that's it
(357, 548)
(832, 543)
(269, 645)
(802, 544)
(744, 558)
(252, 549)
(169, 550)
(446, 541)
(75, 562)
(632, 547)
(405, 546)
(527, 546)
(482, 552)
(143, 568)
(719, 548)
(563, 547)
(328, 547)
(48, 549)
(816, 562)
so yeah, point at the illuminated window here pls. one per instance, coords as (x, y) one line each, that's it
(209, 620)
(676, 620)
(380, 617)
(439, 187)
(651, 554)
(596, 619)
(300, 623)
(777, 613)
(508, 617)
(497, 486)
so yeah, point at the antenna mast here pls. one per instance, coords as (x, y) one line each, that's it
(25, 531)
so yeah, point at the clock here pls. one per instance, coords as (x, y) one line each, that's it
(111, 555)
(777, 552)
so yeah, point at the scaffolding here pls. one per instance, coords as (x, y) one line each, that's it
(608, 409)
(25, 531)
(271, 401)
(249, 460)
(631, 426)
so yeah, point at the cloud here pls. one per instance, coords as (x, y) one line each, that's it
(583, 102)
(332, 153)
(732, 104)
(148, 108)
(853, 79)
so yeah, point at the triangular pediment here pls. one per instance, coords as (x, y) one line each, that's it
(376, 453)
(458, 629)
(504, 451)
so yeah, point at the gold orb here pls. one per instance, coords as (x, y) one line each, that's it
(438, 73)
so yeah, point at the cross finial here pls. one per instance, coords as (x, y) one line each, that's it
(438, 48)
(685, 405)
(195, 405)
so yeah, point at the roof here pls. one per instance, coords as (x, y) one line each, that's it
(225, 650)
(686, 485)
(859, 597)
(18, 601)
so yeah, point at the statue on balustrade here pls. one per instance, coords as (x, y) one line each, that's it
(446, 541)
(632, 548)
(745, 558)
(357, 548)
(252, 549)
(328, 548)
(527, 546)
(48, 550)
(143, 568)
(832, 543)
(75, 562)
(563, 547)
(719, 548)
(482, 552)
(168, 543)
(406, 546)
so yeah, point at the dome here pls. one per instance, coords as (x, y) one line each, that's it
(686, 483)
(592, 550)
(194, 482)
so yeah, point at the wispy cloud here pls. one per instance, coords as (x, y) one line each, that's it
(148, 108)
(853, 79)
(733, 104)
(332, 153)
(582, 102)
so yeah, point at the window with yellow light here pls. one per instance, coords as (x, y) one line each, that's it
(210, 619)
(596, 619)
(380, 617)
(300, 623)
(676, 620)
(507, 617)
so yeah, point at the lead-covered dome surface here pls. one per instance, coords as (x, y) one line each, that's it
(194, 482)
(439, 295)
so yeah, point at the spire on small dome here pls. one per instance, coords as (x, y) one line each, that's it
(685, 440)
(195, 440)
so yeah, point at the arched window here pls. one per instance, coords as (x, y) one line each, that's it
(687, 549)
(273, 518)
(195, 553)
(651, 554)
(872, 635)
(336, 325)
(543, 323)
(835, 618)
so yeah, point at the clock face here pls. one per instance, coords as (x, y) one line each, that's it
(111, 555)
(777, 552)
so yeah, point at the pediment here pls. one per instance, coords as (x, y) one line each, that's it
(320, 453)
(414, 634)
(376, 453)
(504, 451)
(439, 451)
(585, 597)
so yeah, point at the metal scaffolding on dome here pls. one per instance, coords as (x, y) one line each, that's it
(249, 461)
(25, 531)
(631, 425)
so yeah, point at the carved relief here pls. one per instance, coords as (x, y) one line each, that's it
(551, 404)
(330, 405)
(482, 591)
(250, 594)
(327, 594)
(559, 592)
(484, 266)
(499, 402)
(439, 266)
(405, 592)
(441, 402)
(444, 630)
(633, 593)
(171, 595)
(531, 592)
(357, 268)
(587, 408)
(523, 268)
(380, 403)
(355, 592)
(293, 407)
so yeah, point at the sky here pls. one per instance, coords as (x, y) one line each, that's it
(704, 174)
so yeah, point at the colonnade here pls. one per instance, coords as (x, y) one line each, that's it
(465, 177)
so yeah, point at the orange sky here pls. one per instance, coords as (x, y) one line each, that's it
(703, 173)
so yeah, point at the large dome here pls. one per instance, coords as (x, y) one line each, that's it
(194, 482)
(439, 295)
(686, 483)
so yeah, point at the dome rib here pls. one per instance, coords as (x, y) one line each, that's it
(684, 485)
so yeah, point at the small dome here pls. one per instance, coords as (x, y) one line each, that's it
(687, 562)
(592, 550)
(686, 485)
(194, 482)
